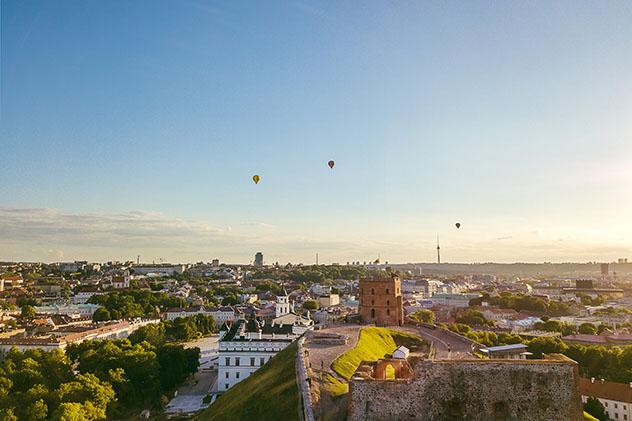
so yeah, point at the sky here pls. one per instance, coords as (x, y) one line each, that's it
(134, 128)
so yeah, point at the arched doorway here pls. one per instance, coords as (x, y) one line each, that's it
(389, 372)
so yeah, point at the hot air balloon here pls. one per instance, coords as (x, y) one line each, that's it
(458, 225)
(256, 179)
(331, 164)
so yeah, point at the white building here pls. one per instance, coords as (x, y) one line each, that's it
(77, 310)
(246, 346)
(161, 269)
(453, 300)
(615, 397)
(220, 314)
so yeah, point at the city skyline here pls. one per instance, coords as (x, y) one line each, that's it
(128, 130)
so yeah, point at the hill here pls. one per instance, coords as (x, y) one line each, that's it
(270, 393)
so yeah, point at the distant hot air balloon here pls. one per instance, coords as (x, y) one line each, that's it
(331, 164)
(458, 225)
(256, 179)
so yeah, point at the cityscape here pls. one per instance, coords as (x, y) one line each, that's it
(314, 211)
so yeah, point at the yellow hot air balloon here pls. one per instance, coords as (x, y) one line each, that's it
(256, 179)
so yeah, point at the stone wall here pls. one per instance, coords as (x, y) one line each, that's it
(473, 390)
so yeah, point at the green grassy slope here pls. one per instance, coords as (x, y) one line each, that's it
(270, 393)
(374, 343)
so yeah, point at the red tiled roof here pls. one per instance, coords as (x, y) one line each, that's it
(621, 392)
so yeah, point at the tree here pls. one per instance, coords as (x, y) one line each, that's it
(102, 314)
(587, 329)
(37, 410)
(471, 318)
(28, 312)
(546, 345)
(310, 305)
(595, 408)
(423, 316)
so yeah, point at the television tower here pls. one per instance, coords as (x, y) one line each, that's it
(438, 251)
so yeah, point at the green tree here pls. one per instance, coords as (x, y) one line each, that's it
(423, 316)
(28, 312)
(587, 329)
(595, 408)
(101, 314)
(310, 305)
(37, 410)
(546, 345)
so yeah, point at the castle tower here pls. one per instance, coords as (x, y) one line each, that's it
(381, 301)
(282, 304)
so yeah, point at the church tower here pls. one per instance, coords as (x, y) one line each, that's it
(282, 304)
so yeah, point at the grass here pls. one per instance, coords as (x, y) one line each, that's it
(334, 386)
(270, 393)
(588, 417)
(374, 343)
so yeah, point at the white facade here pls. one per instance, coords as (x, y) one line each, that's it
(220, 314)
(239, 359)
(282, 305)
(82, 310)
(616, 410)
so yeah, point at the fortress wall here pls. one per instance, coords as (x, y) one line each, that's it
(472, 390)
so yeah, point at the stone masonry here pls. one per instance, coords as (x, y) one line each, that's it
(477, 390)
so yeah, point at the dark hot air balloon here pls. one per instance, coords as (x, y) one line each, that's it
(256, 179)
(331, 164)
(458, 225)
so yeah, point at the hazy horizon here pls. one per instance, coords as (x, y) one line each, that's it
(134, 128)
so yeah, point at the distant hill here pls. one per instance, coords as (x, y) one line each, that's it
(270, 393)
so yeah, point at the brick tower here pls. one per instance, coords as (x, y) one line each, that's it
(381, 301)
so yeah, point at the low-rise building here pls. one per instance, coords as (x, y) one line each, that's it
(247, 345)
(507, 352)
(220, 314)
(615, 397)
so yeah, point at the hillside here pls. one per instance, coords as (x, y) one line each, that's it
(374, 343)
(271, 393)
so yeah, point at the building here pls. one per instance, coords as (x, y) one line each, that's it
(381, 301)
(75, 310)
(511, 352)
(615, 397)
(285, 316)
(282, 304)
(163, 269)
(259, 259)
(220, 314)
(247, 345)
(454, 300)
(62, 337)
(328, 300)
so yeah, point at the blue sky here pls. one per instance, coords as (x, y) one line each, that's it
(135, 128)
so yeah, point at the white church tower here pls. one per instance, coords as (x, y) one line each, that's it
(282, 304)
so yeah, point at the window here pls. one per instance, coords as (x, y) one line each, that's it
(237, 375)
(388, 302)
(388, 311)
(616, 406)
(227, 375)
(373, 313)
(372, 302)
(226, 386)
(262, 361)
(227, 360)
(616, 415)
(237, 361)
(606, 404)
(625, 416)
(372, 291)
(252, 361)
(387, 290)
(625, 407)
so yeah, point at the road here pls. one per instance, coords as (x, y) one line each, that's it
(448, 346)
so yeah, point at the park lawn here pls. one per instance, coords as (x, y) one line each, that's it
(588, 417)
(270, 393)
(374, 343)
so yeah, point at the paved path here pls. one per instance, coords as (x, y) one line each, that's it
(322, 355)
(448, 346)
